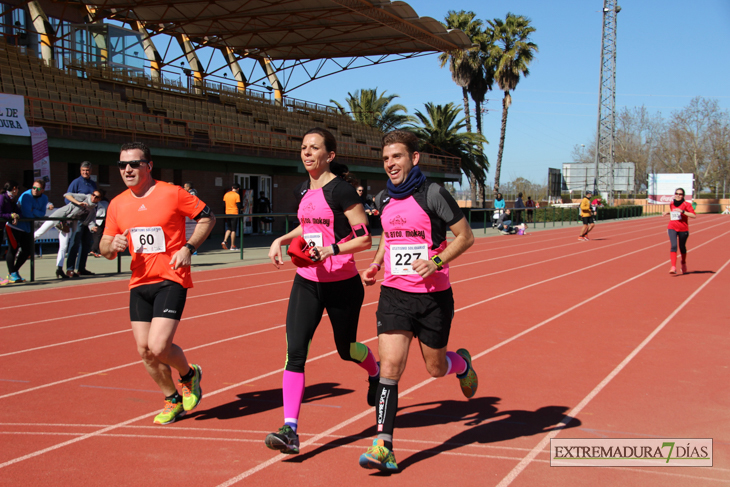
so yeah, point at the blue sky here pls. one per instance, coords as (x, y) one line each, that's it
(667, 53)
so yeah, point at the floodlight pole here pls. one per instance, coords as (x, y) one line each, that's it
(607, 100)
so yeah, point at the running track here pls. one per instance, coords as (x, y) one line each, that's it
(570, 339)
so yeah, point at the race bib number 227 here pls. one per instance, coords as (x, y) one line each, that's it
(403, 256)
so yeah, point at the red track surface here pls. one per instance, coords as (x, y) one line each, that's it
(594, 331)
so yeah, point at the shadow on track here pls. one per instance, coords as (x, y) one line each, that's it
(260, 401)
(486, 424)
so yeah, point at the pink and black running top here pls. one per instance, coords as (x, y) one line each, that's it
(415, 228)
(322, 216)
(678, 221)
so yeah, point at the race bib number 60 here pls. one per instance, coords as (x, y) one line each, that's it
(403, 256)
(147, 240)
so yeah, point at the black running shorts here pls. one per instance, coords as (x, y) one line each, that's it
(587, 220)
(232, 225)
(427, 315)
(164, 299)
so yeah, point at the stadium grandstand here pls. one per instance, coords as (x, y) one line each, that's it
(94, 76)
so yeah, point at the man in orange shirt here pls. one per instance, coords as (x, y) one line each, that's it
(149, 218)
(233, 207)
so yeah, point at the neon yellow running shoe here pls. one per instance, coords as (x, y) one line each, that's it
(379, 457)
(170, 413)
(468, 380)
(191, 391)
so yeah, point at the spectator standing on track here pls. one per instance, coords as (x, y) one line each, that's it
(81, 239)
(587, 215)
(333, 227)
(32, 204)
(100, 223)
(149, 217)
(415, 298)
(530, 204)
(10, 212)
(232, 200)
(80, 206)
(519, 207)
(679, 211)
(504, 223)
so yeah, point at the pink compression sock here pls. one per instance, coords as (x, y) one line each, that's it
(457, 364)
(293, 388)
(370, 364)
(673, 258)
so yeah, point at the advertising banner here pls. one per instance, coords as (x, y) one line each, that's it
(12, 115)
(662, 186)
(41, 161)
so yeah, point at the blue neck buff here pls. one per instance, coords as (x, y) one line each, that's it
(414, 179)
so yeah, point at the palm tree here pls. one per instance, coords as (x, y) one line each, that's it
(466, 68)
(373, 109)
(513, 54)
(440, 133)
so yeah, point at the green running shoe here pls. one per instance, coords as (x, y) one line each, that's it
(191, 391)
(379, 457)
(170, 413)
(285, 440)
(468, 380)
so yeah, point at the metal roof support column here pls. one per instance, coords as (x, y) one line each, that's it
(99, 39)
(235, 68)
(193, 61)
(44, 29)
(151, 51)
(271, 74)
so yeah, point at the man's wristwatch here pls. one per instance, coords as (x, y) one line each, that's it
(190, 247)
(437, 260)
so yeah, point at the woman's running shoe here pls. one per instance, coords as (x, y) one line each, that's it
(684, 268)
(285, 440)
(15, 278)
(672, 270)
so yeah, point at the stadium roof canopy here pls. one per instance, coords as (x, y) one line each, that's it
(291, 29)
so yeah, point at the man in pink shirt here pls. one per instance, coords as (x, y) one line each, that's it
(415, 297)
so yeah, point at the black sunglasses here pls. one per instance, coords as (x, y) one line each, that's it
(679, 194)
(132, 164)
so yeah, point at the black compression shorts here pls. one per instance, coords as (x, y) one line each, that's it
(164, 299)
(587, 220)
(427, 315)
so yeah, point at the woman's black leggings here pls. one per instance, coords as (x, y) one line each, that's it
(19, 245)
(307, 302)
(682, 237)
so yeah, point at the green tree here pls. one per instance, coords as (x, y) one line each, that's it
(440, 132)
(374, 109)
(467, 68)
(514, 52)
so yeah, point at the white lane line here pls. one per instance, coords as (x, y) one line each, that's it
(236, 276)
(280, 456)
(512, 475)
(289, 280)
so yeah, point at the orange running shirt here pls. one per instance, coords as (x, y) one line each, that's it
(156, 225)
(231, 198)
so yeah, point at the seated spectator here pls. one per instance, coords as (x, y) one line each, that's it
(504, 223)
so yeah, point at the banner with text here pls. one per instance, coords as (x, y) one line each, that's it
(41, 160)
(662, 186)
(12, 115)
